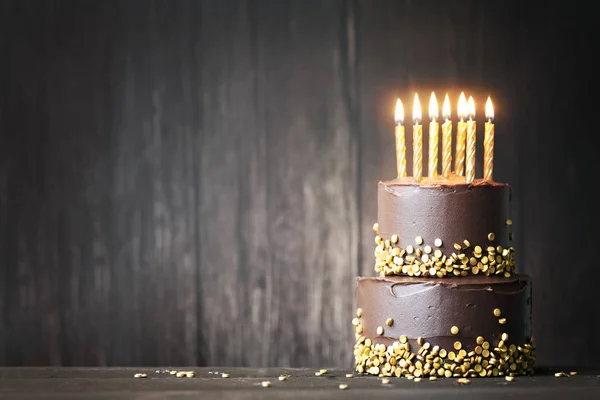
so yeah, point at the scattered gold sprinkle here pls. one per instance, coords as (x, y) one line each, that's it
(437, 242)
(428, 249)
(140, 376)
(410, 249)
(380, 330)
(349, 375)
(420, 341)
(265, 384)
(323, 371)
(394, 238)
(355, 321)
(282, 377)
(491, 236)
(376, 227)
(560, 374)
(509, 378)
(318, 373)
(463, 381)
(497, 312)
(180, 374)
(467, 243)
(359, 312)
(173, 372)
(343, 386)
(505, 336)
(502, 321)
(385, 381)
(403, 339)
(417, 379)
(389, 322)
(447, 373)
(480, 340)
(573, 373)
(457, 246)
(454, 331)
(225, 375)
(509, 222)
(419, 240)
(433, 378)
(190, 374)
(457, 345)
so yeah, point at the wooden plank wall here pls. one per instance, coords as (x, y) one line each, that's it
(194, 182)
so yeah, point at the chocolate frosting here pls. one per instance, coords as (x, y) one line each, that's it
(450, 210)
(429, 307)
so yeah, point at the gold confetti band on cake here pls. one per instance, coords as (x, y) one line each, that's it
(430, 261)
(400, 360)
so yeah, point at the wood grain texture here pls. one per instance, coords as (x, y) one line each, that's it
(194, 182)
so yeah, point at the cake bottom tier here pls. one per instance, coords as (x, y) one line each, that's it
(452, 327)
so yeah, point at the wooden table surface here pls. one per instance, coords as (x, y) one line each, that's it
(245, 383)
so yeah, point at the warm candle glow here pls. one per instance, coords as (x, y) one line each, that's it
(470, 161)
(488, 141)
(417, 141)
(433, 137)
(446, 139)
(400, 140)
(461, 135)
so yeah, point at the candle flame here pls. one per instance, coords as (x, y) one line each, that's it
(433, 107)
(489, 109)
(446, 107)
(471, 107)
(399, 116)
(462, 106)
(416, 110)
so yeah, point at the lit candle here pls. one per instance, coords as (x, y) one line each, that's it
(446, 139)
(461, 135)
(417, 141)
(434, 140)
(470, 163)
(488, 142)
(400, 140)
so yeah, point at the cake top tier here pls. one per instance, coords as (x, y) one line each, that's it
(436, 227)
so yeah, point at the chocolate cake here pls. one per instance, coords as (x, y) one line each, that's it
(448, 301)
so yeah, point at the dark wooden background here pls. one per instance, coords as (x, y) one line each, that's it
(194, 182)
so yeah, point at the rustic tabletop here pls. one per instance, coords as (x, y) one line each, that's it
(268, 383)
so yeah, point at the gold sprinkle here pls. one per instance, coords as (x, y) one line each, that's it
(560, 374)
(457, 345)
(172, 372)
(140, 376)
(454, 331)
(394, 238)
(497, 312)
(282, 377)
(467, 243)
(380, 330)
(355, 321)
(480, 340)
(180, 374)
(410, 249)
(225, 375)
(349, 375)
(433, 378)
(502, 321)
(419, 240)
(403, 339)
(509, 222)
(509, 378)
(428, 249)
(457, 246)
(491, 236)
(376, 227)
(420, 341)
(385, 381)
(505, 336)
(447, 373)
(417, 379)
(389, 322)
(573, 373)
(463, 381)
(190, 374)
(343, 386)
(323, 371)
(265, 384)
(437, 242)
(443, 353)
(359, 312)
(318, 373)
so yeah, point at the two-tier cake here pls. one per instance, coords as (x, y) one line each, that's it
(448, 301)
